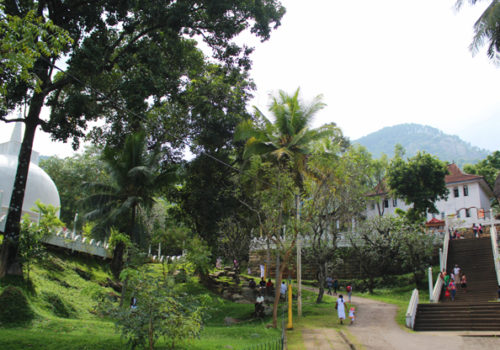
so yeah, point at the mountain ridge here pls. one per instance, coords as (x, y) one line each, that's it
(416, 137)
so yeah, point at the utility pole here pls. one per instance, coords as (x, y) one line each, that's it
(299, 260)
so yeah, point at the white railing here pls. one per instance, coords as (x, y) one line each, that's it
(68, 240)
(494, 247)
(412, 309)
(439, 281)
(79, 244)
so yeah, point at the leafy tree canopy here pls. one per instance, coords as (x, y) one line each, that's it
(419, 181)
(489, 168)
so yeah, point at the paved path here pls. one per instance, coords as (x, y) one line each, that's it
(376, 329)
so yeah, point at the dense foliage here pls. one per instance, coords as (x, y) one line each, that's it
(419, 181)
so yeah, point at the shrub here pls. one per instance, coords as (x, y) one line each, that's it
(15, 308)
(58, 307)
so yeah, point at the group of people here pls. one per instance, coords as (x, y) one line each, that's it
(478, 230)
(268, 289)
(332, 283)
(452, 280)
(340, 305)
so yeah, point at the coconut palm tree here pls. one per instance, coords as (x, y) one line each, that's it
(136, 179)
(286, 142)
(290, 137)
(487, 28)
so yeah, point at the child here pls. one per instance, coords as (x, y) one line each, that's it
(352, 310)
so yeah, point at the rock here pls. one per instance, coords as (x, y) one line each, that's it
(229, 321)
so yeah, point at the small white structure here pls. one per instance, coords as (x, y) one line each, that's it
(468, 199)
(39, 185)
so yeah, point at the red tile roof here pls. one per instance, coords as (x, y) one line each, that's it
(434, 222)
(456, 175)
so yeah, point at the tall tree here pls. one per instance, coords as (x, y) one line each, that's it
(419, 181)
(136, 179)
(334, 196)
(286, 143)
(290, 137)
(486, 29)
(126, 58)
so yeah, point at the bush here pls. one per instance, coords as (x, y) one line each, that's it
(15, 309)
(58, 307)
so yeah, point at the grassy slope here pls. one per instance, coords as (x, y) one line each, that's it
(84, 330)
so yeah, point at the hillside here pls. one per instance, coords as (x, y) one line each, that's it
(65, 295)
(416, 137)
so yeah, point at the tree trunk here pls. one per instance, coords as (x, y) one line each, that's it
(321, 280)
(284, 264)
(10, 263)
(117, 261)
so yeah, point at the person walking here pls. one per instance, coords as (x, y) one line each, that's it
(335, 286)
(463, 282)
(456, 272)
(453, 290)
(446, 279)
(474, 230)
(352, 312)
(340, 306)
(349, 291)
(283, 290)
(329, 285)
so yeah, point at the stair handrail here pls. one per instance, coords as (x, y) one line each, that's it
(439, 281)
(411, 312)
(494, 247)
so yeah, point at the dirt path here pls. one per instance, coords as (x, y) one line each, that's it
(376, 329)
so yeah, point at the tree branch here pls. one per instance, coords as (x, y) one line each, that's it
(22, 120)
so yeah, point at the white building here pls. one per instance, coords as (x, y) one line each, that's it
(39, 185)
(468, 200)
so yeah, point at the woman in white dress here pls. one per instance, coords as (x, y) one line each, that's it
(341, 308)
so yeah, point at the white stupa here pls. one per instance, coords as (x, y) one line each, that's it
(38, 187)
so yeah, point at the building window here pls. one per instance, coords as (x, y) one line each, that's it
(394, 202)
(466, 191)
(386, 203)
(442, 215)
(467, 213)
(456, 194)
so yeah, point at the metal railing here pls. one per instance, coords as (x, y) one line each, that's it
(276, 344)
(412, 309)
(494, 247)
(439, 281)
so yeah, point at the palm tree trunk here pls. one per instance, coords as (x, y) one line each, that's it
(117, 261)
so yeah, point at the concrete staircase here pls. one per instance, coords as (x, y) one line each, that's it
(473, 310)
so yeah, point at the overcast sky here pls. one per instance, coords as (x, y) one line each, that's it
(377, 63)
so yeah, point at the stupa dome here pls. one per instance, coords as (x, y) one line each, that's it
(39, 185)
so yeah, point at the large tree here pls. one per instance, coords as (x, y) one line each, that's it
(289, 139)
(334, 196)
(419, 181)
(126, 58)
(136, 177)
